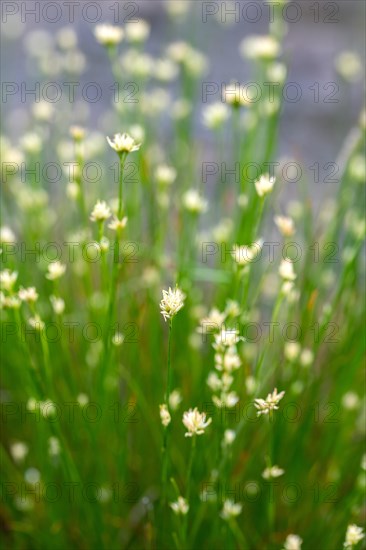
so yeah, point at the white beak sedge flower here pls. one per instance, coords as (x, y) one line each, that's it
(123, 143)
(58, 305)
(215, 115)
(116, 224)
(285, 225)
(164, 415)
(28, 294)
(269, 404)
(293, 542)
(264, 185)
(195, 422)
(353, 535)
(55, 270)
(193, 202)
(100, 212)
(172, 302)
(260, 47)
(8, 278)
(231, 509)
(243, 254)
(180, 506)
(19, 451)
(272, 472)
(108, 35)
(175, 400)
(286, 270)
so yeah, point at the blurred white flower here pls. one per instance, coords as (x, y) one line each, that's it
(175, 399)
(165, 175)
(292, 542)
(285, 225)
(8, 279)
(116, 224)
(164, 415)
(19, 451)
(7, 235)
(349, 65)
(194, 202)
(108, 35)
(264, 185)
(180, 506)
(306, 357)
(100, 212)
(272, 472)
(231, 509)
(54, 447)
(229, 437)
(353, 535)
(55, 270)
(292, 350)
(137, 31)
(286, 270)
(260, 47)
(28, 294)
(58, 305)
(215, 115)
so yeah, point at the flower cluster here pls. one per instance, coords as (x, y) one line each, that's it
(227, 361)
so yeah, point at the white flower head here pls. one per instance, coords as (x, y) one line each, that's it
(353, 535)
(229, 437)
(108, 35)
(227, 338)
(286, 270)
(100, 212)
(292, 350)
(269, 404)
(123, 143)
(175, 399)
(55, 270)
(7, 235)
(165, 175)
(172, 302)
(264, 185)
(293, 542)
(54, 447)
(243, 254)
(195, 422)
(28, 294)
(164, 415)
(194, 202)
(116, 224)
(19, 451)
(231, 509)
(180, 506)
(260, 47)
(7, 279)
(285, 225)
(137, 31)
(36, 323)
(272, 472)
(215, 115)
(58, 305)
